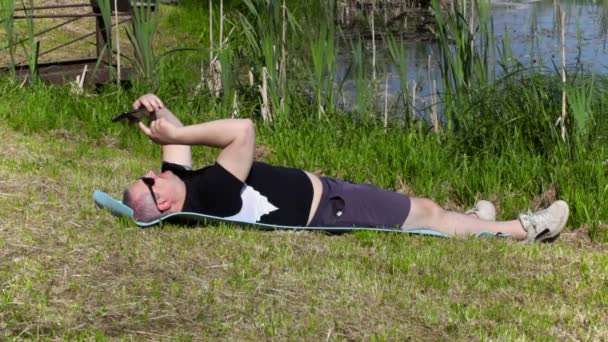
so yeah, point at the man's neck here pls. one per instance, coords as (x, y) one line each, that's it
(180, 196)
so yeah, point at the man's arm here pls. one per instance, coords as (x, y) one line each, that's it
(236, 138)
(177, 154)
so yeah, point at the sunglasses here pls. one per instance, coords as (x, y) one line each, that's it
(149, 182)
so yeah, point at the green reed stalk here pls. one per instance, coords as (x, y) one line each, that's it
(579, 46)
(579, 103)
(264, 25)
(105, 7)
(226, 57)
(269, 49)
(34, 45)
(141, 37)
(317, 50)
(330, 63)
(603, 12)
(398, 56)
(7, 10)
(506, 58)
(322, 47)
(563, 73)
(463, 63)
(361, 82)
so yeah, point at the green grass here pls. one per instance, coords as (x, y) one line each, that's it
(69, 271)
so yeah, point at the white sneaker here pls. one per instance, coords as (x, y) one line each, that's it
(545, 224)
(485, 210)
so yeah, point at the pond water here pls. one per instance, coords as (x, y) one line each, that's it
(531, 29)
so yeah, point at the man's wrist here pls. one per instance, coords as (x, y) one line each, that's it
(167, 115)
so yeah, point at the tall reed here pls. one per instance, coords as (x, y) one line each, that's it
(580, 95)
(506, 58)
(398, 56)
(214, 76)
(7, 10)
(464, 64)
(562, 15)
(264, 25)
(323, 52)
(603, 11)
(225, 58)
(118, 59)
(141, 37)
(105, 7)
(33, 48)
(362, 84)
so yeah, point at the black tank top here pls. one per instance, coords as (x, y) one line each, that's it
(215, 191)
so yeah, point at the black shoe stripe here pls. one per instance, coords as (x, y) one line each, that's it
(543, 233)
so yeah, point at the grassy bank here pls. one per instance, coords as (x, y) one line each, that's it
(71, 271)
(512, 155)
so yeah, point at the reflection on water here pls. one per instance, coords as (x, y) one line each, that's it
(531, 29)
(536, 38)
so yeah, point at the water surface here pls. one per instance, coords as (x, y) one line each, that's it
(530, 30)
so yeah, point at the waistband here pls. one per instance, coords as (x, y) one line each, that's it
(326, 188)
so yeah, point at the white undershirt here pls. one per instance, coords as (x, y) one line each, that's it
(255, 205)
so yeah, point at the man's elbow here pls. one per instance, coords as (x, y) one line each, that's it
(248, 130)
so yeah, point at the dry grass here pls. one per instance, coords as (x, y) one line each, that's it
(70, 271)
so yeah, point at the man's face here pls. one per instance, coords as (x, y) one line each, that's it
(156, 186)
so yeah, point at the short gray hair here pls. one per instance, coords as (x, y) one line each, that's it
(144, 209)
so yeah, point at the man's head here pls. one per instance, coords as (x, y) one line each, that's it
(155, 195)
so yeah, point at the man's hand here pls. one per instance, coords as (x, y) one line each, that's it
(150, 101)
(161, 131)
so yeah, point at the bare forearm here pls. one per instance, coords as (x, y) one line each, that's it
(219, 133)
(236, 138)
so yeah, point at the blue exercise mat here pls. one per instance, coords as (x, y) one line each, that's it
(119, 209)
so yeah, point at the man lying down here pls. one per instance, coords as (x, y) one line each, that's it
(237, 187)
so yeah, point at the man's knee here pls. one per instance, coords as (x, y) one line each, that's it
(427, 209)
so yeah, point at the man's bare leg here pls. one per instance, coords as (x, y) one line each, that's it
(426, 214)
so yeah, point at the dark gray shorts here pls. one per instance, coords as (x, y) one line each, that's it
(345, 204)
